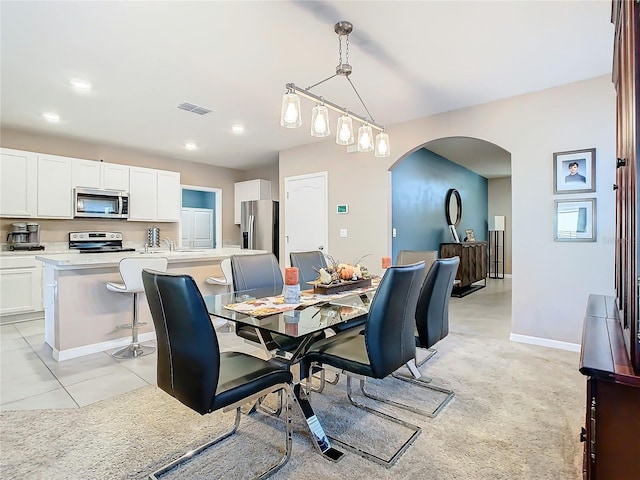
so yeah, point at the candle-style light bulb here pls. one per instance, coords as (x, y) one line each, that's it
(365, 143)
(320, 121)
(382, 145)
(344, 134)
(291, 114)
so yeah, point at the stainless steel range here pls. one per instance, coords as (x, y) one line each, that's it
(97, 242)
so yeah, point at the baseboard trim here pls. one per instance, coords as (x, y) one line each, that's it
(545, 342)
(61, 355)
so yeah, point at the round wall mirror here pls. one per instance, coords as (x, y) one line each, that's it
(453, 207)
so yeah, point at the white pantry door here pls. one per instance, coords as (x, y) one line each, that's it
(305, 213)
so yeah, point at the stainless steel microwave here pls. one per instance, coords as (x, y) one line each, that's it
(92, 203)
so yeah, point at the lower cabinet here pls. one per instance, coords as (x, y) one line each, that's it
(473, 260)
(20, 285)
(612, 425)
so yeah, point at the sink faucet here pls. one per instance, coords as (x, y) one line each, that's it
(170, 243)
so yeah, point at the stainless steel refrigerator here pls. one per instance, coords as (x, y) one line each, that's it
(259, 225)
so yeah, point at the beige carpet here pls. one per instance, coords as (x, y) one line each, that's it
(516, 415)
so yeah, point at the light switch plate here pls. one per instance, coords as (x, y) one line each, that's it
(394, 233)
(343, 233)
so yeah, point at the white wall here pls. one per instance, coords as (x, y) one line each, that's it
(551, 280)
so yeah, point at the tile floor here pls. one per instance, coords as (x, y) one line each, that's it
(30, 378)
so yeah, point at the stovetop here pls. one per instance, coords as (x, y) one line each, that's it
(105, 250)
(97, 242)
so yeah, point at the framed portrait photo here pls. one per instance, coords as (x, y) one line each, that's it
(574, 171)
(575, 220)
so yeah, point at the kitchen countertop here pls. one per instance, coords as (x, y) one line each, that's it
(75, 260)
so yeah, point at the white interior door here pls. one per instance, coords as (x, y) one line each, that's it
(202, 228)
(197, 227)
(305, 213)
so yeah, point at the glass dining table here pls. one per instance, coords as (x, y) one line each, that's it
(265, 309)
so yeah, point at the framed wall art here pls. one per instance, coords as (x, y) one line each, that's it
(471, 236)
(574, 171)
(575, 220)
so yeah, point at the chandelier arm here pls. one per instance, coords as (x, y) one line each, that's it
(322, 81)
(361, 101)
(336, 108)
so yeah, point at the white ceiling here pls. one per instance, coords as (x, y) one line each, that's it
(410, 59)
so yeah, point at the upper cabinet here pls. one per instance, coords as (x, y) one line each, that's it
(18, 183)
(54, 187)
(115, 176)
(154, 195)
(100, 175)
(38, 185)
(250, 190)
(169, 196)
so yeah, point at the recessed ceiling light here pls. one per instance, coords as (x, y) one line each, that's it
(190, 146)
(80, 84)
(51, 117)
(237, 129)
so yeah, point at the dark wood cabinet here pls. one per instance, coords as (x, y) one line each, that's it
(473, 264)
(612, 425)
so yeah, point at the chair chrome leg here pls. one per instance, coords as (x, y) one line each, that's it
(432, 352)
(272, 469)
(267, 410)
(368, 455)
(420, 383)
(415, 365)
(192, 453)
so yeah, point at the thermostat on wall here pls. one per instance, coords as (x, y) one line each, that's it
(342, 209)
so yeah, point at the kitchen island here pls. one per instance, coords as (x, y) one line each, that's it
(83, 317)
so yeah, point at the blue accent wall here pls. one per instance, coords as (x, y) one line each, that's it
(198, 199)
(419, 187)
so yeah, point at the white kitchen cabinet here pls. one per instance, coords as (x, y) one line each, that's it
(154, 195)
(100, 175)
(115, 176)
(86, 173)
(18, 183)
(20, 284)
(197, 228)
(169, 194)
(250, 190)
(54, 187)
(143, 194)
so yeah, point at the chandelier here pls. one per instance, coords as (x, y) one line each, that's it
(291, 115)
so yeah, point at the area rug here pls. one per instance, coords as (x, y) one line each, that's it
(517, 414)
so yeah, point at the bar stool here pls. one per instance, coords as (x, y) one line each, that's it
(227, 280)
(131, 273)
(227, 277)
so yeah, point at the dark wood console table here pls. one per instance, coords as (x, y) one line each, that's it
(612, 425)
(473, 265)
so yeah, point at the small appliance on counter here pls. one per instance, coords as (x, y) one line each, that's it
(97, 242)
(153, 237)
(24, 236)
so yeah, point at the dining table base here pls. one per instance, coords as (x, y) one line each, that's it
(315, 427)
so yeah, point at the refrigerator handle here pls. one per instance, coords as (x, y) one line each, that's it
(251, 232)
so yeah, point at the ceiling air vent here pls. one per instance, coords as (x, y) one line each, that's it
(193, 108)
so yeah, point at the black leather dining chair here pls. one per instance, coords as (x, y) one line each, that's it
(387, 344)
(261, 271)
(432, 325)
(308, 264)
(192, 369)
